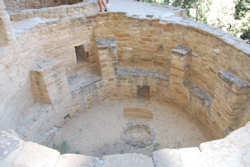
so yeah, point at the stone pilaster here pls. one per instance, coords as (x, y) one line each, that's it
(178, 74)
(232, 96)
(107, 55)
(49, 83)
(6, 32)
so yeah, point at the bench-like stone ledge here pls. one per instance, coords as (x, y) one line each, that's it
(237, 84)
(206, 99)
(182, 50)
(158, 74)
(106, 43)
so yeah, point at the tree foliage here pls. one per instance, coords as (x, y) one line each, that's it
(246, 35)
(239, 21)
(241, 9)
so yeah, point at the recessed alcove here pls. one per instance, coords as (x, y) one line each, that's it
(81, 55)
(143, 91)
(85, 71)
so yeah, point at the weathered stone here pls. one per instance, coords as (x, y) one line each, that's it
(200, 94)
(6, 31)
(9, 143)
(144, 135)
(158, 74)
(138, 113)
(232, 79)
(74, 160)
(182, 50)
(240, 137)
(86, 8)
(143, 91)
(179, 72)
(138, 51)
(186, 157)
(106, 43)
(48, 79)
(127, 160)
(221, 153)
(34, 155)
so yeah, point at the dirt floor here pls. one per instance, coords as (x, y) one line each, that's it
(98, 131)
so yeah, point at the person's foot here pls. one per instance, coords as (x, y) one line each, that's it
(105, 10)
(108, 6)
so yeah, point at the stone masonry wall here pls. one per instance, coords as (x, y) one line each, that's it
(144, 56)
(19, 109)
(148, 44)
(6, 34)
(30, 4)
(177, 62)
(80, 10)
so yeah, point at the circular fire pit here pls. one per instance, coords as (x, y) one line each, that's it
(138, 135)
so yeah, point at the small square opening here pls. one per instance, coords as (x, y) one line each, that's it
(81, 54)
(143, 91)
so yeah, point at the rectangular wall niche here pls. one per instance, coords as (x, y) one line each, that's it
(143, 91)
(81, 55)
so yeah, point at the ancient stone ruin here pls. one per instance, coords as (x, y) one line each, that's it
(139, 86)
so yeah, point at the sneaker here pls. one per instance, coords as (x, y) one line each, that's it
(108, 6)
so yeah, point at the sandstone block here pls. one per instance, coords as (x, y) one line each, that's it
(9, 143)
(186, 157)
(241, 137)
(74, 160)
(234, 82)
(106, 43)
(221, 153)
(138, 113)
(35, 155)
(182, 50)
(127, 160)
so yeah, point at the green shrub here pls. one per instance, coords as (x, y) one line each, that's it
(246, 35)
(64, 148)
(241, 9)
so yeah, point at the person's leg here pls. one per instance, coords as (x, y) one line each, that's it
(107, 1)
(104, 5)
(100, 5)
